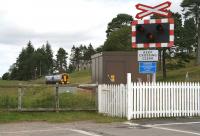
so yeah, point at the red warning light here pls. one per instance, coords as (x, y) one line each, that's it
(140, 28)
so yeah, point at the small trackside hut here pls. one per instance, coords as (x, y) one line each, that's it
(112, 67)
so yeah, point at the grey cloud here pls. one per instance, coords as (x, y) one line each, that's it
(13, 36)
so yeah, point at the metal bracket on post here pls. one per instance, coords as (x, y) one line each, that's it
(129, 97)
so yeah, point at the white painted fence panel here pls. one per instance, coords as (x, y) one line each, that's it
(112, 100)
(150, 100)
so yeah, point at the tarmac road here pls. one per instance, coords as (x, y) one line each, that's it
(180, 127)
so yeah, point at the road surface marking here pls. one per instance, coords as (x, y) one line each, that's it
(156, 126)
(53, 129)
(176, 130)
(84, 132)
(181, 123)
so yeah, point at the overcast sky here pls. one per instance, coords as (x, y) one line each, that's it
(63, 23)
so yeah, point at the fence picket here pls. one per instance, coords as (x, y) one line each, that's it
(171, 99)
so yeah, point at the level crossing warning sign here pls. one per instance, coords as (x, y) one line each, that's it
(147, 55)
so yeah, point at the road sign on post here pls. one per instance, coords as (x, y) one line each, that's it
(147, 67)
(147, 55)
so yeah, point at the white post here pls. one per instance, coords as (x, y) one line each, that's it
(154, 77)
(129, 97)
(148, 77)
(99, 98)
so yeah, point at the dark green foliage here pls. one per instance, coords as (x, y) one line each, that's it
(192, 9)
(88, 52)
(119, 40)
(118, 34)
(61, 60)
(49, 57)
(13, 72)
(24, 63)
(6, 76)
(32, 63)
(184, 40)
(118, 22)
(71, 68)
(99, 49)
(81, 54)
(189, 34)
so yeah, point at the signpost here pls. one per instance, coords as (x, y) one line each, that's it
(152, 33)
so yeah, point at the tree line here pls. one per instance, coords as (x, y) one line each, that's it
(34, 63)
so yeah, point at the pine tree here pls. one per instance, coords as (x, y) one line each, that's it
(49, 55)
(40, 62)
(25, 63)
(72, 60)
(61, 60)
(89, 52)
(192, 9)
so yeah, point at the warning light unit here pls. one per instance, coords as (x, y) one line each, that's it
(153, 33)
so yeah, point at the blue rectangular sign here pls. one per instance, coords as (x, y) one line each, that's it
(147, 67)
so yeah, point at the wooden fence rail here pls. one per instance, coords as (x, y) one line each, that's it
(46, 98)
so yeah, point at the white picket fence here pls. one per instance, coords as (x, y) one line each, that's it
(150, 100)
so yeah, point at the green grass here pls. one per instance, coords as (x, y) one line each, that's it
(44, 97)
(80, 77)
(179, 74)
(61, 117)
(11, 82)
(41, 95)
(76, 77)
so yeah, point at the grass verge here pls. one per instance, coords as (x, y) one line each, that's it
(179, 74)
(61, 117)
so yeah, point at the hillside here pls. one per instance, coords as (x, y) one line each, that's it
(80, 77)
(75, 78)
(85, 76)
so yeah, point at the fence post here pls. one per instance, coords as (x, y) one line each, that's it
(129, 97)
(57, 98)
(20, 97)
(96, 96)
(99, 90)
